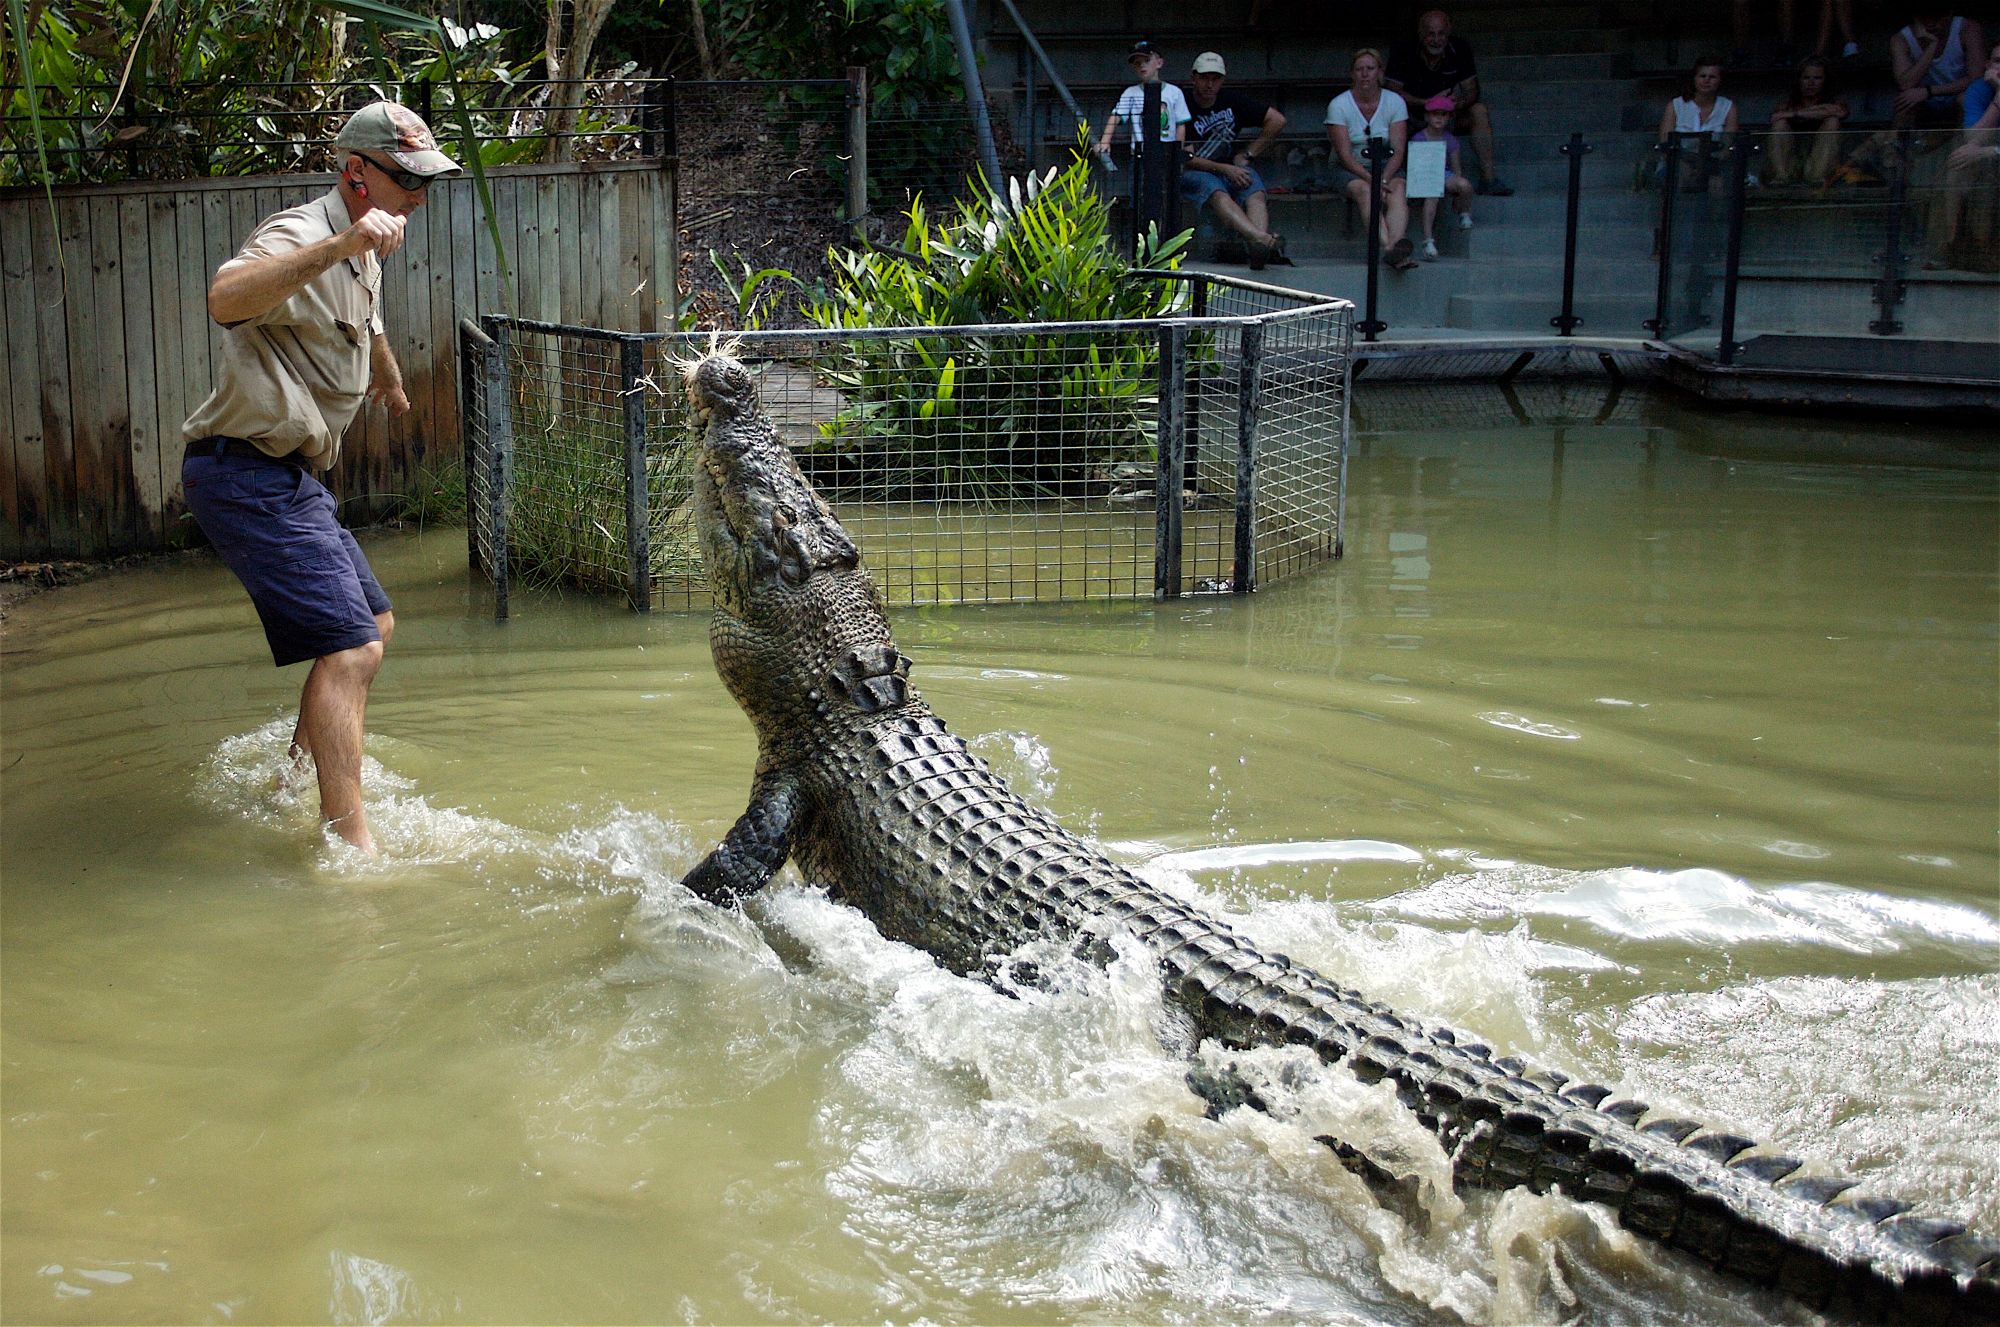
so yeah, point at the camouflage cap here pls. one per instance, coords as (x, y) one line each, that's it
(398, 134)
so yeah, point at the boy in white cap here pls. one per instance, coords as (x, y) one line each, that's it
(1221, 176)
(303, 345)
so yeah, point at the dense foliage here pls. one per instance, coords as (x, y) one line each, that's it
(173, 88)
(998, 414)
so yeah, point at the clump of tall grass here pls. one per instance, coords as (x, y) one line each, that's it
(434, 495)
(566, 522)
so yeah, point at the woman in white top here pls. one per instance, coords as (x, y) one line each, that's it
(1362, 112)
(1701, 109)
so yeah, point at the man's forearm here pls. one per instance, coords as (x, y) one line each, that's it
(1267, 133)
(384, 372)
(251, 287)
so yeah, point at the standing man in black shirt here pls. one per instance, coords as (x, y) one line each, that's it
(1440, 63)
(1220, 175)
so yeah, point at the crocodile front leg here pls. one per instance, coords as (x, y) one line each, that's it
(756, 845)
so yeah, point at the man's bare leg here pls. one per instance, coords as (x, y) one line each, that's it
(300, 751)
(1253, 227)
(1259, 212)
(333, 709)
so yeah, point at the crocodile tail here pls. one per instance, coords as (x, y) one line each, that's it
(1721, 1197)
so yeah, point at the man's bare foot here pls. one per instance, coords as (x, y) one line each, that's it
(354, 829)
(295, 773)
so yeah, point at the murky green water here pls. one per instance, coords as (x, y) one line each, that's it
(1661, 752)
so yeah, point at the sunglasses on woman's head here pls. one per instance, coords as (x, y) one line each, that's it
(402, 179)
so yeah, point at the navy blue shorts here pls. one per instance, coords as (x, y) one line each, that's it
(273, 523)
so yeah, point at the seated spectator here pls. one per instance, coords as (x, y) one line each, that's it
(1967, 229)
(1221, 176)
(1935, 59)
(1700, 109)
(1363, 112)
(1814, 108)
(1437, 129)
(1146, 64)
(1440, 63)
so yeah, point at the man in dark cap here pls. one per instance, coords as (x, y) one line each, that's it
(301, 303)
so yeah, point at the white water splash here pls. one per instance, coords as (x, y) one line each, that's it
(1022, 761)
(1702, 906)
(254, 776)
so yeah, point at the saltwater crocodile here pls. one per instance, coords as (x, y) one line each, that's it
(863, 786)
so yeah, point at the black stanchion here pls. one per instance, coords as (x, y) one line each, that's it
(1889, 286)
(1566, 322)
(1670, 157)
(1156, 175)
(1376, 152)
(1732, 258)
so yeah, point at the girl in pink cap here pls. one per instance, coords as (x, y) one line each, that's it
(1437, 129)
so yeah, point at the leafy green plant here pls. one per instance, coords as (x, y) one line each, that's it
(759, 293)
(992, 415)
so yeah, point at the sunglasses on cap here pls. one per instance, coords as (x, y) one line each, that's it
(408, 181)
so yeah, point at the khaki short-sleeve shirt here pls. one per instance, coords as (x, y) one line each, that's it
(292, 380)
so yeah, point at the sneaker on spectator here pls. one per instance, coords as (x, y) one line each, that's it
(1430, 251)
(1465, 221)
(1495, 188)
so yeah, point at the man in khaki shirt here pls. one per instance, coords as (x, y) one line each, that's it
(304, 347)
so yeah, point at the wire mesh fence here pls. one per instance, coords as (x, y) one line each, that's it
(1025, 463)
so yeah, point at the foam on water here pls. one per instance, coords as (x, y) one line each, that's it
(1702, 906)
(254, 776)
(1039, 1145)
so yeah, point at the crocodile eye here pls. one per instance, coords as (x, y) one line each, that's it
(735, 379)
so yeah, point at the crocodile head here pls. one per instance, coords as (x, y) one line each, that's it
(798, 626)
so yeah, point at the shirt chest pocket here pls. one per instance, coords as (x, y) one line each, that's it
(352, 333)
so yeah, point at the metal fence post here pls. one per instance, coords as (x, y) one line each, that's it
(499, 460)
(1249, 372)
(638, 517)
(1670, 154)
(1196, 364)
(1172, 460)
(1566, 321)
(471, 382)
(1732, 258)
(661, 103)
(857, 148)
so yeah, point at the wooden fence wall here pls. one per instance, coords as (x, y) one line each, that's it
(107, 349)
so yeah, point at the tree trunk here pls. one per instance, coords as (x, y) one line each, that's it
(568, 62)
(701, 50)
